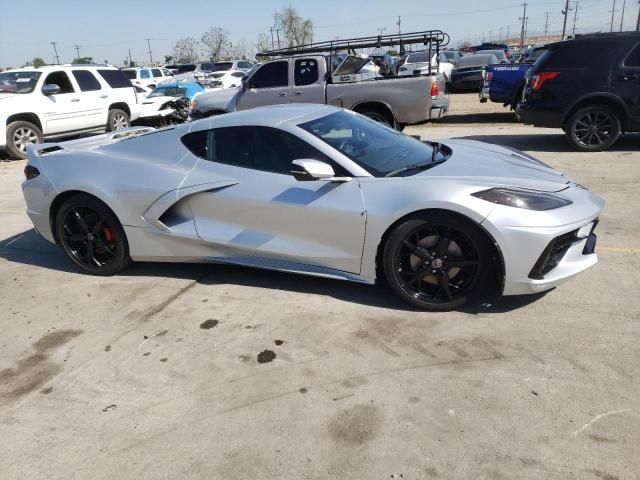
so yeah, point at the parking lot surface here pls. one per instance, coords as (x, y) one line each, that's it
(208, 371)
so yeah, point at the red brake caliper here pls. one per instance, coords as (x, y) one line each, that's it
(108, 234)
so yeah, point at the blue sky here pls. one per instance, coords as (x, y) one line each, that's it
(105, 30)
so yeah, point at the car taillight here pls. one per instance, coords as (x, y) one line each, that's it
(538, 79)
(434, 90)
(30, 172)
(489, 76)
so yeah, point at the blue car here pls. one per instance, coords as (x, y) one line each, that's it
(186, 90)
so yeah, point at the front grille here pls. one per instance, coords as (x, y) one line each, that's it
(553, 254)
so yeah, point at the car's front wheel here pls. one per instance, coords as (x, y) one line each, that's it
(593, 128)
(117, 120)
(19, 135)
(437, 261)
(91, 236)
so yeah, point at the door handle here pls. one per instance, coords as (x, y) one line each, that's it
(75, 99)
(104, 96)
(299, 92)
(283, 94)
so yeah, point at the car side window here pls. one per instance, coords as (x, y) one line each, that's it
(258, 148)
(156, 73)
(86, 80)
(306, 72)
(145, 74)
(167, 73)
(62, 80)
(273, 74)
(244, 65)
(633, 59)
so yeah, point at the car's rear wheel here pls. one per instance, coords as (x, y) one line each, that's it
(91, 236)
(19, 135)
(437, 261)
(593, 128)
(379, 117)
(117, 120)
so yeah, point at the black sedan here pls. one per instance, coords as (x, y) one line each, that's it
(467, 74)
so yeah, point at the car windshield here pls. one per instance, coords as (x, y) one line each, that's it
(378, 149)
(186, 68)
(221, 66)
(18, 82)
(168, 92)
(450, 55)
(475, 60)
(418, 57)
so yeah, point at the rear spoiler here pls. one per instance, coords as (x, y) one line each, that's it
(40, 149)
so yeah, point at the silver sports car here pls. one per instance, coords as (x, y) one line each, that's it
(315, 190)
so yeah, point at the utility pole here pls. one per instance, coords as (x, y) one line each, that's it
(380, 30)
(638, 21)
(273, 45)
(565, 12)
(56, 52)
(509, 32)
(546, 23)
(523, 19)
(130, 59)
(398, 23)
(278, 37)
(149, 45)
(77, 47)
(576, 6)
(624, 4)
(613, 12)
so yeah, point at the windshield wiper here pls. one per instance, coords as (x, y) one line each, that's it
(420, 166)
(416, 166)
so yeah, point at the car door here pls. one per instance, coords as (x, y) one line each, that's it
(146, 78)
(94, 98)
(308, 87)
(64, 111)
(267, 217)
(627, 84)
(269, 85)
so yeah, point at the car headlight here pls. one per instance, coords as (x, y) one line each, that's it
(527, 199)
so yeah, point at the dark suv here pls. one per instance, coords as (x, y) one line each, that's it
(589, 87)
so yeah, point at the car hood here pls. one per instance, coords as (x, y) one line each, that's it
(222, 99)
(480, 162)
(158, 100)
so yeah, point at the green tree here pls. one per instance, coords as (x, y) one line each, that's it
(216, 43)
(186, 50)
(297, 30)
(38, 62)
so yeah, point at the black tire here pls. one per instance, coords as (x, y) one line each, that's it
(378, 117)
(593, 129)
(91, 236)
(517, 99)
(117, 120)
(437, 261)
(19, 135)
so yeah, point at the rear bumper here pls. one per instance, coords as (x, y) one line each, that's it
(539, 117)
(439, 108)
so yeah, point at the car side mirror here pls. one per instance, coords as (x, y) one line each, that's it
(51, 89)
(309, 170)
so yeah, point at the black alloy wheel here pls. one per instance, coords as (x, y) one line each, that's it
(437, 262)
(593, 128)
(91, 236)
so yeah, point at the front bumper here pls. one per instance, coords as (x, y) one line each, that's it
(542, 250)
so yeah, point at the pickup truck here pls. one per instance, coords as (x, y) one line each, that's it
(306, 79)
(505, 83)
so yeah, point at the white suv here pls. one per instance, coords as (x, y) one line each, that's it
(149, 77)
(58, 100)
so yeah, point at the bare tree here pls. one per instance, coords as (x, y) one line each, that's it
(216, 43)
(297, 30)
(263, 43)
(186, 50)
(240, 50)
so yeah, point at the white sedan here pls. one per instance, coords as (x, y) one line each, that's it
(225, 79)
(417, 63)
